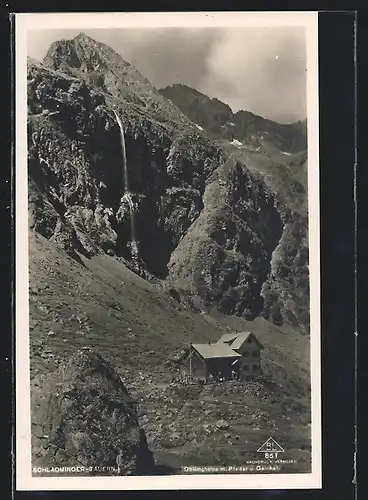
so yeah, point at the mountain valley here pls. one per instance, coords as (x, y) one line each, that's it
(221, 225)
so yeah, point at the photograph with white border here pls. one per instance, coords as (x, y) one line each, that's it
(167, 251)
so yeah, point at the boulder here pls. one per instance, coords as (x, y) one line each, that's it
(222, 425)
(82, 414)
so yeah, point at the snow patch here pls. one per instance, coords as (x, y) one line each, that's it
(236, 142)
(285, 153)
(231, 123)
(199, 127)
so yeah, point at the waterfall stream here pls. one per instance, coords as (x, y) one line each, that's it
(127, 196)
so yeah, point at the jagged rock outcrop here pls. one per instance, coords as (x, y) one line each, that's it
(82, 415)
(75, 165)
(278, 152)
(225, 256)
(286, 290)
(207, 225)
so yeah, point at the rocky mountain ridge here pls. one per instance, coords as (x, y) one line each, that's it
(206, 222)
(218, 119)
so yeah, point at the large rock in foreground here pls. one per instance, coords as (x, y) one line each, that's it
(82, 415)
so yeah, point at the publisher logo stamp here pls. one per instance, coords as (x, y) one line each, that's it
(271, 448)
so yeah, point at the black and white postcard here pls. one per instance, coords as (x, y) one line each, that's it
(167, 251)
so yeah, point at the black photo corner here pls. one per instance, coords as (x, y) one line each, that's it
(337, 160)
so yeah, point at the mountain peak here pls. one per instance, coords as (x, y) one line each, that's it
(82, 36)
(87, 40)
(83, 53)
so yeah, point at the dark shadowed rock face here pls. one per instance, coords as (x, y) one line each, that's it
(208, 225)
(225, 256)
(82, 414)
(75, 161)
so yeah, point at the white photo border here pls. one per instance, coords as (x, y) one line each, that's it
(83, 21)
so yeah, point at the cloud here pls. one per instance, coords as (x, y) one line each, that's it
(260, 70)
(167, 56)
(257, 69)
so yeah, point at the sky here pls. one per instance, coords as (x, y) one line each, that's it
(262, 70)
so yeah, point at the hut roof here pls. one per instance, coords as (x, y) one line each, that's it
(227, 338)
(208, 351)
(236, 340)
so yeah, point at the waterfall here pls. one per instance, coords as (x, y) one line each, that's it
(134, 246)
(123, 150)
(127, 196)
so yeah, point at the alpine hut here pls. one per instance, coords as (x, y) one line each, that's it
(216, 360)
(249, 348)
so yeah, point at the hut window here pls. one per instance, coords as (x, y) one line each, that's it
(245, 367)
(255, 368)
(254, 354)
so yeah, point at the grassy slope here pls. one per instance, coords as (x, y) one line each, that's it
(126, 317)
(136, 326)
